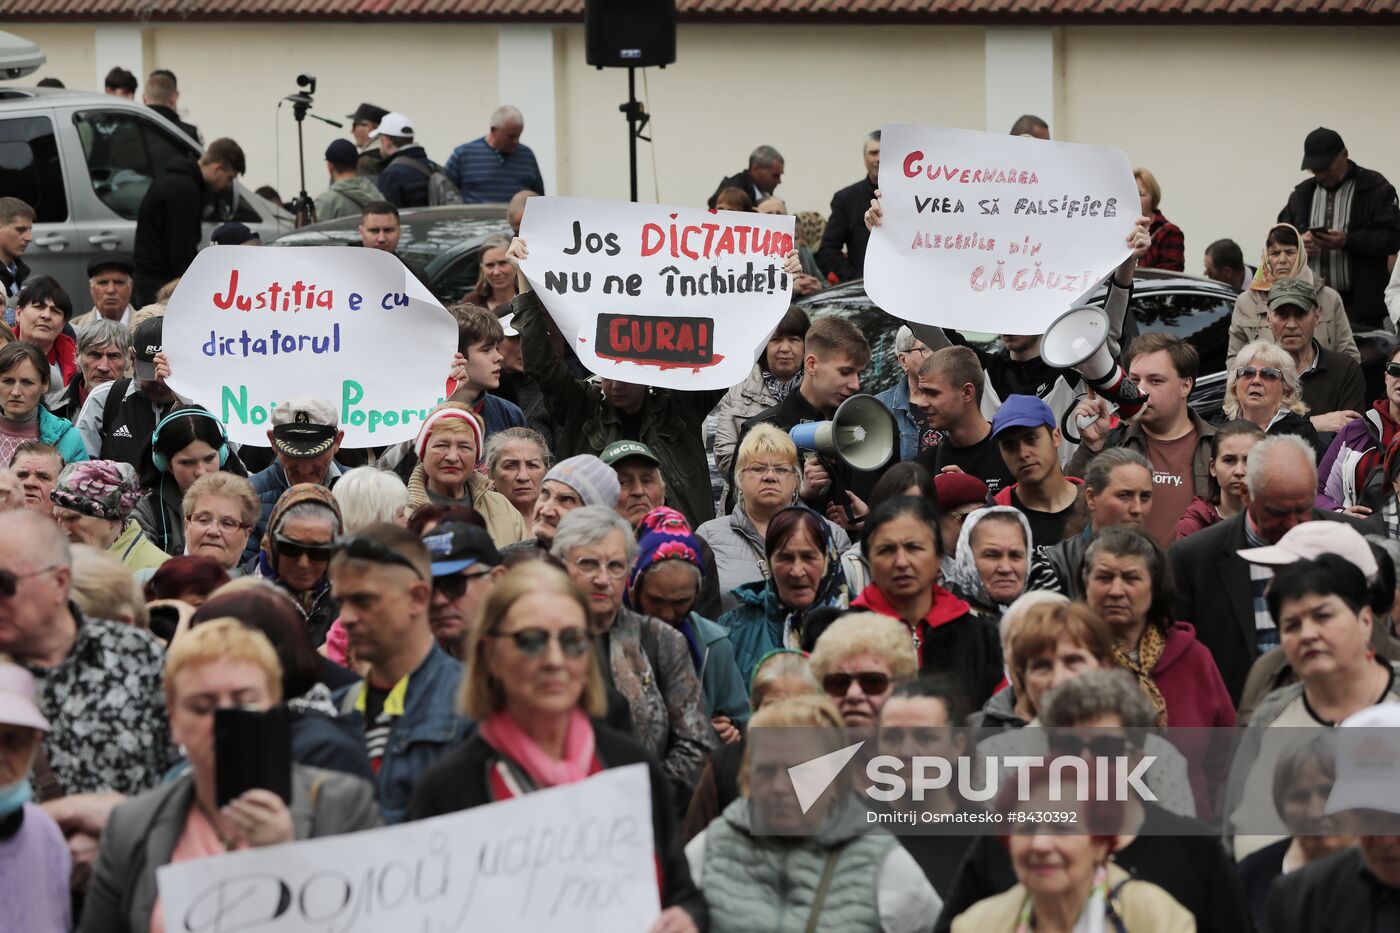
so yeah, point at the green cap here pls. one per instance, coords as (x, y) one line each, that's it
(1296, 292)
(621, 450)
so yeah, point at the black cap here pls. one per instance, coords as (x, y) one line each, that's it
(455, 546)
(368, 113)
(232, 233)
(342, 152)
(112, 261)
(303, 440)
(146, 342)
(1320, 148)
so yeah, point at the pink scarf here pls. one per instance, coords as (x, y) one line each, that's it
(505, 735)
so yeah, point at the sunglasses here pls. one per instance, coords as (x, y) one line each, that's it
(291, 550)
(454, 586)
(360, 547)
(1099, 746)
(1392, 369)
(9, 580)
(1267, 373)
(872, 683)
(533, 642)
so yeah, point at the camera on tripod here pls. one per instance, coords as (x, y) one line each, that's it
(301, 102)
(307, 81)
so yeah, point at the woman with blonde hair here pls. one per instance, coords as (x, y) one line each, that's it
(858, 660)
(534, 687)
(495, 283)
(448, 447)
(1263, 389)
(1168, 249)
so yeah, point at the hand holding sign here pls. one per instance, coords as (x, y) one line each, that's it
(670, 297)
(1006, 232)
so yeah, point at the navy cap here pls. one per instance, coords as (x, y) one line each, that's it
(111, 261)
(342, 152)
(232, 233)
(455, 546)
(1022, 411)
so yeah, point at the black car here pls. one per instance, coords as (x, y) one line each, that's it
(1193, 308)
(442, 245)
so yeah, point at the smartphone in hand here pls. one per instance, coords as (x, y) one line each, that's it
(252, 749)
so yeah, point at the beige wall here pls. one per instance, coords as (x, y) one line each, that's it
(70, 51)
(1219, 114)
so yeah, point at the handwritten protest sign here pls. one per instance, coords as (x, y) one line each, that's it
(994, 233)
(248, 328)
(672, 297)
(578, 858)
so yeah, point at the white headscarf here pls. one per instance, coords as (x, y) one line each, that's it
(964, 576)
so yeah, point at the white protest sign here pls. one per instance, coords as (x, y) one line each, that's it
(674, 297)
(578, 857)
(994, 233)
(250, 327)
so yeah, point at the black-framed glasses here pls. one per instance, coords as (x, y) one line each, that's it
(9, 580)
(454, 585)
(1267, 373)
(533, 642)
(291, 550)
(1392, 369)
(360, 547)
(872, 683)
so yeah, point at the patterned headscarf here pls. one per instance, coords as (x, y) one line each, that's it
(666, 535)
(1264, 279)
(965, 579)
(100, 488)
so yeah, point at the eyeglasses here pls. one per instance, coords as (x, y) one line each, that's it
(360, 547)
(226, 524)
(1267, 373)
(1392, 369)
(454, 585)
(9, 580)
(961, 517)
(291, 550)
(760, 470)
(872, 683)
(589, 567)
(533, 642)
(1099, 746)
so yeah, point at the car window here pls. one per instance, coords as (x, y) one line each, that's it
(1201, 319)
(455, 279)
(124, 151)
(30, 169)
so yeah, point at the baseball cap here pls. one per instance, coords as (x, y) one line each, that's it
(146, 342)
(1320, 148)
(113, 261)
(621, 450)
(1368, 762)
(1311, 540)
(303, 428)
(18, 698)
(1295, 292)
(455, 546)
(367, 113)
(955, 489)
(342, 152)
(232, 233)
(1022, 411)
(393, 124)
(593, 480)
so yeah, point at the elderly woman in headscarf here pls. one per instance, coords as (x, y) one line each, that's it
(664, 583)
(992, 559)
(448, 447)
(93, 501)
(296, 553)
(1285, 258)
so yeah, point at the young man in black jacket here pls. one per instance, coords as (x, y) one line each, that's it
(16, 233)
(168, 224)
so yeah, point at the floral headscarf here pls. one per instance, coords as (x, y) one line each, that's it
(666, 535)
(965, 579)
(100, 488)
(1264, 279)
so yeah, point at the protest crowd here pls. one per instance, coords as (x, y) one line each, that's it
(562, 574)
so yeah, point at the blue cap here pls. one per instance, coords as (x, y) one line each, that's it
(1022, 411)
(342, 152)
(455, 546)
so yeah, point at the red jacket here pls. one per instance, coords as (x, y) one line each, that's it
(1196, 697)
(1004, 496)
(1199, 514)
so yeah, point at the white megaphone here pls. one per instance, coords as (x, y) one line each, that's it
(862, 434)
(1078, 340)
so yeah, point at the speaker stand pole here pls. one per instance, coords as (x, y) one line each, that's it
(636, 122)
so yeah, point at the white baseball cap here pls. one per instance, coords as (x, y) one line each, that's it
(1311, 540)
(1368, 761)
(393, 124)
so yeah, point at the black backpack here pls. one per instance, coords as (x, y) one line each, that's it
(441, 190)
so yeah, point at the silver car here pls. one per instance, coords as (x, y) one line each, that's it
(83, 162)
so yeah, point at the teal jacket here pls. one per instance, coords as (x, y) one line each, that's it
(755, 625)
(724, 690)
(60, 433)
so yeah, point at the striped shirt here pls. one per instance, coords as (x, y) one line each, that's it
(485, 176)
(1265, 631)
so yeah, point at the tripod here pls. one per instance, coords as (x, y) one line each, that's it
(302, 206)
(637, 119)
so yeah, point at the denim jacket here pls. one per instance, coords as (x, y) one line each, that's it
(896, 399)
(428, 726)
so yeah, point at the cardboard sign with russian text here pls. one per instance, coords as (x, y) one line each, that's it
(994, 233)
(672, 297)
(248, 328)
(579, 857)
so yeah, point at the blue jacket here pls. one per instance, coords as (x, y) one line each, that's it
(755, 625)
(428, 726)
(269, 484)
(498, 414)
(400, 183)
(61, 433)
(896, 399)
(725, 692)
